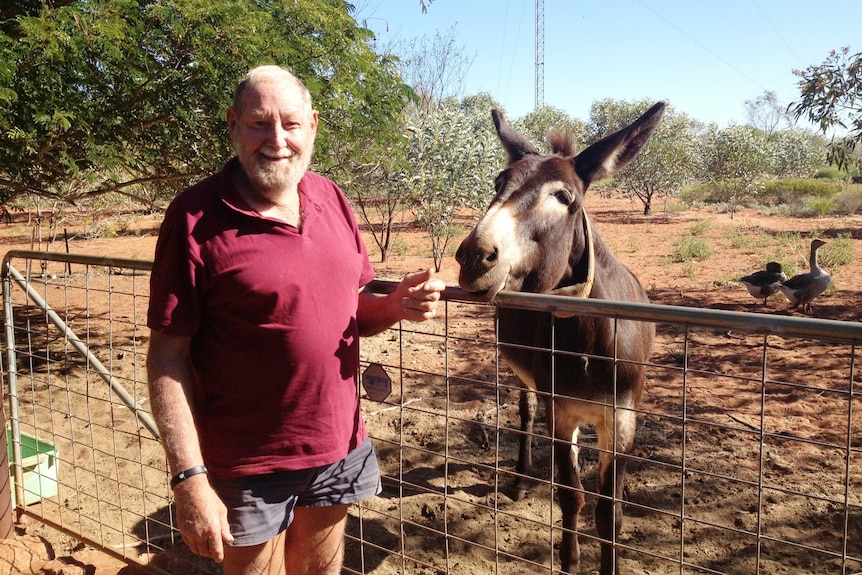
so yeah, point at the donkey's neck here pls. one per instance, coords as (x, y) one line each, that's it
(582, 260)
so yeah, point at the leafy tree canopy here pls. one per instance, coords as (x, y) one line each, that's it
(453, 155)
(832, 98)
(536, 125)
(668, 160)
(734, 160)
(130, 96)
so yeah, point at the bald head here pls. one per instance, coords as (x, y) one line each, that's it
(268, 74)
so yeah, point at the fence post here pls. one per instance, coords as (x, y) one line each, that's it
(6, 521)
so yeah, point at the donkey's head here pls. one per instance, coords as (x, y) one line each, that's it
(532, 237)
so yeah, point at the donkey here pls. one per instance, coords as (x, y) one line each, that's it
(536, 237)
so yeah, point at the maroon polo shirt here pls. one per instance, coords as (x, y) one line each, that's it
(272, 316)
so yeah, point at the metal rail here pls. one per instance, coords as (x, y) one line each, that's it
(788, 326)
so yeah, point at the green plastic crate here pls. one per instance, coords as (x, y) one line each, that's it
(39, 462)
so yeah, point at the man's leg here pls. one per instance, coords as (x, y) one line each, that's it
(264, 559)
(312, 545)
(314, 542)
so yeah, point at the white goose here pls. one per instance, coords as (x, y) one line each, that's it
(764, 283)
(803, 288)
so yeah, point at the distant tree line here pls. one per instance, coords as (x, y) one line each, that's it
(129, 96)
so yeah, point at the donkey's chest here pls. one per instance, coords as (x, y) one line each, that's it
(552, 354)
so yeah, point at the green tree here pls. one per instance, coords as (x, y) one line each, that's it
(734, 160)
(536, 124)
(831, 97)
(795, 153)
(372, 186)
(435, 69)
(765, 113)
(664, 165)
(453, 154)
(129, 96)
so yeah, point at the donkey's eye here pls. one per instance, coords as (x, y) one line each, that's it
(563, 196)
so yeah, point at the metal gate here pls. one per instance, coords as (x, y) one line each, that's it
(748, 457)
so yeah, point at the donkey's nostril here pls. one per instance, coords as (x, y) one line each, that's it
(459, 255)
(492, 257)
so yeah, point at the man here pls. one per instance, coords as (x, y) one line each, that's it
(256, 307)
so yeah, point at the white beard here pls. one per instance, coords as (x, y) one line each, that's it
(267, 176)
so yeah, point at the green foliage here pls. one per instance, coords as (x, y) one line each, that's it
(838, 251)
(818, 207)
(128, 96)
(536, 125)
(849, 200)
(736, 239)
(664, 165)
(690, 248)
(453, 154)
(794, 153)
(697, 193)
(831, 173)
(831, 97)
(700, 228)
(790, 190)
(789, 197)
(734, 160)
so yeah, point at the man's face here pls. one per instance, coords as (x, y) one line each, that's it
(273, 134)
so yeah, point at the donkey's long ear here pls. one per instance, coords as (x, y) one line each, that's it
(610, 154)
(516, 145)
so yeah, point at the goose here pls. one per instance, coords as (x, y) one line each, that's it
(764, 283)
(803, 288)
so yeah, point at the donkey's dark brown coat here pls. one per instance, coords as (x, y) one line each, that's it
(532, 239)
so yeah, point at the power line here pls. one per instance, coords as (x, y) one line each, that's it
(699, 43)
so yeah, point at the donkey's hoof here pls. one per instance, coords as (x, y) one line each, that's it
(520, 490)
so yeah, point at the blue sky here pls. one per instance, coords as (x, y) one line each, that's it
(706, 58)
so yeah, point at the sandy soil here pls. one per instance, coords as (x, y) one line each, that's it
(457, 510)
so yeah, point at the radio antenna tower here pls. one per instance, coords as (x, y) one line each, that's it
(540, 53)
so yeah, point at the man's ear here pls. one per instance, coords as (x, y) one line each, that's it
(231, 120)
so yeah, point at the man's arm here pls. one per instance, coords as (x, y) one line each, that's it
(170, 397)
(415, 299)
(201, 515)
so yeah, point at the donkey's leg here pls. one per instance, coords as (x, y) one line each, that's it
(570, 492)
(527, 407)
(612, 473)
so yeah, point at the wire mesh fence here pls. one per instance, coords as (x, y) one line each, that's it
(748, 454)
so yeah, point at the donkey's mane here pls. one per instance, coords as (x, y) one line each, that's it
(562, 142)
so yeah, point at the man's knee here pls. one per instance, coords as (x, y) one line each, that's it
(314, 542)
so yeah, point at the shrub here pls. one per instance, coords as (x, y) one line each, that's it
(838, 251)
(700, 228)
(830, 173)
(818, 207)
(693, 194)
(849, 200)
(796, 190)
(690, 248)
(737, 239)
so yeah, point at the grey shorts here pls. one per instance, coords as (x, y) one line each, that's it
(261, 507)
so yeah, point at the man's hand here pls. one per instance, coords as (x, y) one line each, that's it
(202, 518)
(419, 295)
(414, 299)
